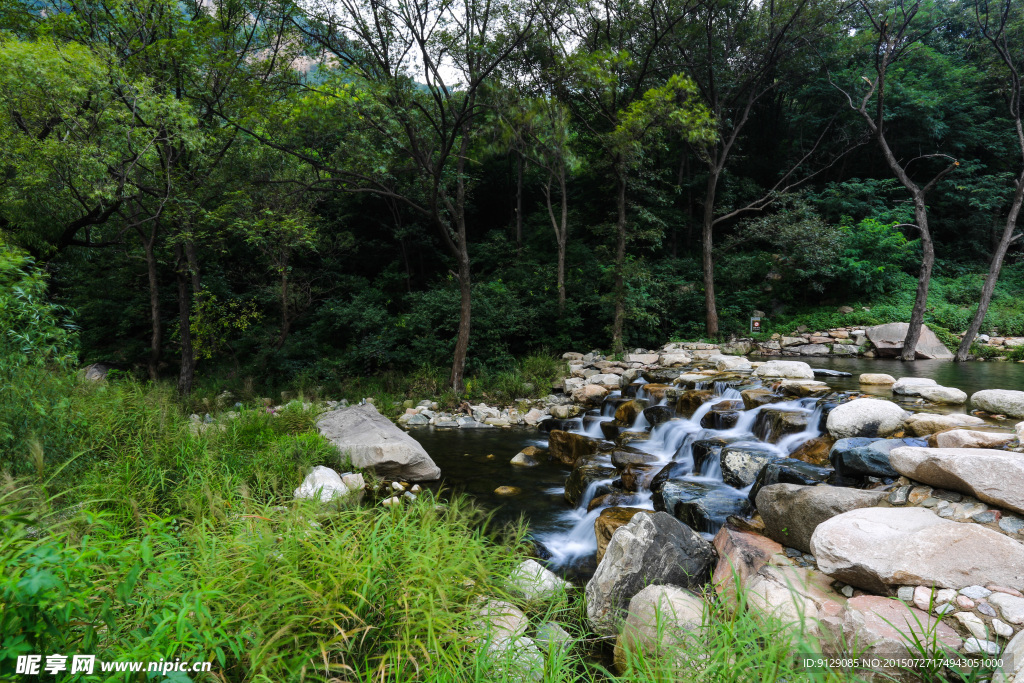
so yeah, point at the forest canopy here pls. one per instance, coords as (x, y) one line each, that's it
(320, 189)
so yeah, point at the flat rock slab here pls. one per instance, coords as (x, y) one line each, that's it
(970, 438)
(874, 548)
(923, 424)
(791, 513)
(888, 341)
(995, 477)
(373, 442)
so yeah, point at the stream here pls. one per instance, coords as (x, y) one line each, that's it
(476, 461)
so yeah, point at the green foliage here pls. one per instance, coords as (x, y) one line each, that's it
(873, 255)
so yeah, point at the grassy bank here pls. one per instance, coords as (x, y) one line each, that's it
(129, 534)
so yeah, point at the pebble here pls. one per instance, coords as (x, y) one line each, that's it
(391, 501)
(809, 558)
(930, 502)
(975, 592)
(944, 609)
(416, 488)
(900, 496)
(985, 517)
(847, 591)
(905, 593)
(793, 552)
(1011, 524)
(1003, 589)
(972, 623)
(409, 495)
(951, 496)
(964, 602)
(919, 494)
(986, 609)
(1002, 628)
(977, 646)
(395, 486)
(923, 598)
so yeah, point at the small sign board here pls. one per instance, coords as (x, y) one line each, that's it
(755, 325)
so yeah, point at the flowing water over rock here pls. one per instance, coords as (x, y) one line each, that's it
(700, 467)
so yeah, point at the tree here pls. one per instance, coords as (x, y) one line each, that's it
(997, 26)
(896, 32)
(741, 53)
(419, 69)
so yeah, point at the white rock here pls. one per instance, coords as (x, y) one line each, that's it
(973, 623)
(324, 484)
(645, 358)
(975, 592)
(977, 646)
(605, 380)
(943, 395)
(909, 386)
(1000, 401)
(875, 378)
(970, 438)
(868, 417)
(725, 363)
(536, 583)
(923, 424)
(786, 369)
(1011, 607)
(374, 442)
(1002, 628)
(1012, 668)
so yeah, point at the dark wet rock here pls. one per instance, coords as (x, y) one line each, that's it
(703, 506)
(565, 425)
(567, 447)
(626, 412)
(615, 498)
(649, 550)
(623, 457)
(690, 400)
(656, 415)
(706, 451)
(669, 471)
(789, 471)
(587, 470)
(625, 438)
(742, 463)
(825, 372)
(759, 396)
(771, 424)
(637, 477)
(723, 415)
(864, 456)
(611, 429)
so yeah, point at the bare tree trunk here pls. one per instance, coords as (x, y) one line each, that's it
(924, 277)
(156, 339)
(519, 203)
(561, 232)
(186, 375)
(465, 317)
(620, 262)
(993, 274)
(707, 258)
(285, 313)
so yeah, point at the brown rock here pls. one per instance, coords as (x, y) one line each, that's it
(636, 477)
(627, 411)
(608, 521)
(752, 398)
(815, 451)
(567, 447)
(741, 554)
(657, 391)
(689, 401)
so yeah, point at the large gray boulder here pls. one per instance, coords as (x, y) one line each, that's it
(791, 513)
(993, 476)
(654, 549)
(888, 341)
(875, 548)
(1000, 402)
(373, 442)
(912, 386)
(868, 417)
(785, 369)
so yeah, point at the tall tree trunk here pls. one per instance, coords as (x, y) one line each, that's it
(156, 338)
(465, 318)
(707, 259)
(285, 313)
(186, 375)
(993, 274)
(620, 262)
(519, 203)
(561, 232)
(923, 279)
